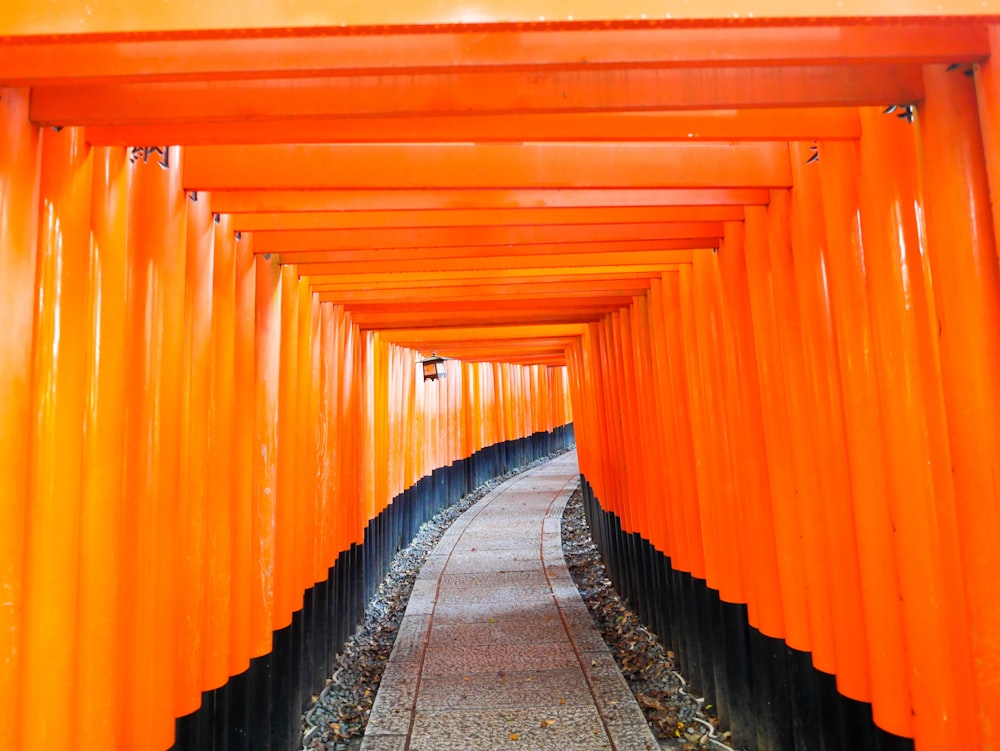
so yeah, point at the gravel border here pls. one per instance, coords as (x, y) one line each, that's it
(678, 719)
(337, 719)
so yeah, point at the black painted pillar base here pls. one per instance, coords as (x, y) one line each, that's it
(260, 709)
(769, 696)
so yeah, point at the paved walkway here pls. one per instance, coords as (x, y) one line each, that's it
(496, 649)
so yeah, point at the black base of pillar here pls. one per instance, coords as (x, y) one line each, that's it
(769, 696)
(260, 709)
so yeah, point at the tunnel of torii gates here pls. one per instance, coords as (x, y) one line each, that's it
(743, 250)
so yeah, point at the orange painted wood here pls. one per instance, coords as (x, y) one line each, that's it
(116, 19)
(19, 172)
(270, 199)
(528, 286)
(58, 407)
(287, 500)
(460, 93)
(765, 124)
(961, 250)
(690, 513)
(372, 260)
(430, 166)
(988, 100)
(267, 377)
(492, 267)
(223, 466)
(805, 506)
(541, 274)
(394, 52)
(753, 326)
(518, 217)
(102, 497)
(777, 410)
(292, 242)
(847, 270)
(243, 448)
(195, 425)
(752, 503)
(909, 392)
(193, 500)
(810, 252)
(155, 303)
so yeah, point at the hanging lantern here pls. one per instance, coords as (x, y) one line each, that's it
(433, 368)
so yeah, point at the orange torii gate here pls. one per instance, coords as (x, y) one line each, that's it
(747, 248)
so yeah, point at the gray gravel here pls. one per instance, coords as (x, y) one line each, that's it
(678, 719)
(336, 721)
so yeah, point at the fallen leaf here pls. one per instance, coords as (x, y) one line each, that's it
(515, 737)
(562, 701)
(548, 723)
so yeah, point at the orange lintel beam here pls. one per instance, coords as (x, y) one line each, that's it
(430, 278)
(33, 63)
(446, 254)
(390, 321)
(256, 201)
(123, 20)
(592, 299)
(549, 361)
(438, 339)
(343, 220)
(402, 284)
(784, 124)
(433, 295)
(386, 244)
(492, 333)
(487, 351)
(505, 263)
(461, 93)
(293, 242)
(499, 296)
(390, 166)
(435, 339)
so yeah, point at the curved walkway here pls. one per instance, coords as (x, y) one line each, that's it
(496, 649)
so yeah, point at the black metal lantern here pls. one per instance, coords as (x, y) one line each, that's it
(433, 368)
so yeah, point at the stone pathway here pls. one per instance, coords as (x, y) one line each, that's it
(496, 649)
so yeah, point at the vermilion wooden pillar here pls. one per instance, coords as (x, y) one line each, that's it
(848, 658)
(193, 500)
(19, 169)
(58, 406)
(156, 282)
(847, 277)
(243, 451)
(267, 357)
(767, 614)
(917, 461)
(223, 468)
(762, 592)
(797, 566)
(99, 688)
(961, 248)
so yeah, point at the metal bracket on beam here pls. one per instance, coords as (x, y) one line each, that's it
(143, 152)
